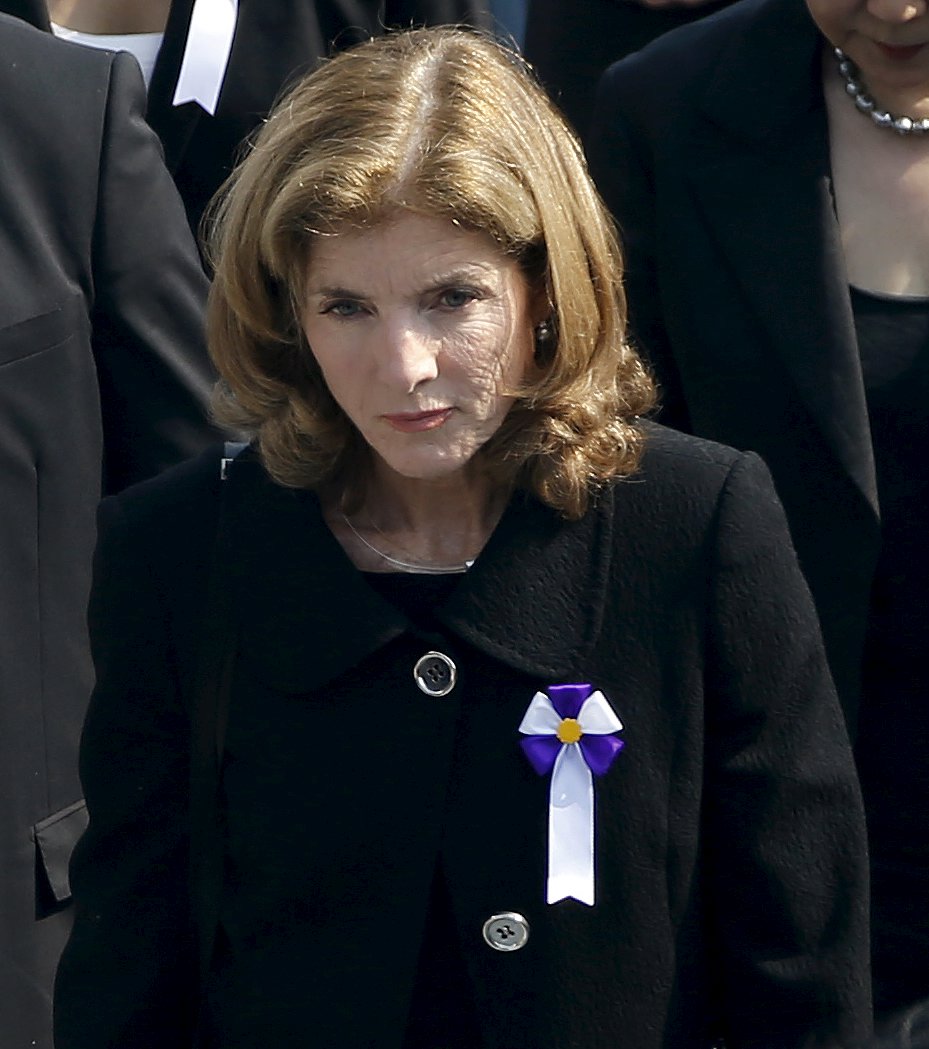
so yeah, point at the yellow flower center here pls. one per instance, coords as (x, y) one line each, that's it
(569, 731)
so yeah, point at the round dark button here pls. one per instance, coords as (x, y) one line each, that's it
(435, 674)
(508, 931)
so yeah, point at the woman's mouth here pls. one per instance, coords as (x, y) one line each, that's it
(899, 53)
(416, 422)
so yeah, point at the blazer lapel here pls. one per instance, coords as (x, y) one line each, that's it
(534, 600)
(765, 187)
(304, 614)
(174, 124)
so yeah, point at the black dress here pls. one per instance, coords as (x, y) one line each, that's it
(893, 742)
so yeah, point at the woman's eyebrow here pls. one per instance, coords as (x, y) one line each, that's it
(460, 275)
(467, 274)
(333, 291)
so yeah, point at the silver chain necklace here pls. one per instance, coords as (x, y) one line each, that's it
(855, 89)
(407, 566)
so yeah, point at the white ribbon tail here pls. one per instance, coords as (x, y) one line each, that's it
(206, 55)
(571, 829)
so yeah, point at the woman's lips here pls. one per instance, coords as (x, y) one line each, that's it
(416, 422)
(899, 53)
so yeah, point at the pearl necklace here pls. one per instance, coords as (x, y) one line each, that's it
(407, 566)
(866, 104)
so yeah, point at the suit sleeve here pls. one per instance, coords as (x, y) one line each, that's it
(149, 299)
(621, 165)
(785, 851)
(127, 976)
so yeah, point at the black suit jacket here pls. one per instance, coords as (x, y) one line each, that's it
(730, 855)
(103, 381)
(275, 42)
(711, 148)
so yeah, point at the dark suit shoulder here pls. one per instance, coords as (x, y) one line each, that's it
(53, 110)
(676, 57)
(189, 489)
(35, 62)
(676, 458)
(162, 532)
(667, 445)
(656, 85)
(683, 485)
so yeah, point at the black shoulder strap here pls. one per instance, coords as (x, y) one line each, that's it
(209, 713)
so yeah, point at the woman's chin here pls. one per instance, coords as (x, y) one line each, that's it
(899, 80)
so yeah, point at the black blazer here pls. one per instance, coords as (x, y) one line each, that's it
(731, 863)
(275, 42)
(711, 148)
(103, 381)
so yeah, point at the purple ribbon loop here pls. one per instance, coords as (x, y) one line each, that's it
(600, 752)
(568, 699)
(541, 752)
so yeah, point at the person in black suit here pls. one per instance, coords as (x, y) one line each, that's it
(455, 575)
(275, 42)
(570, 45)
(104, 380)
(777, 278)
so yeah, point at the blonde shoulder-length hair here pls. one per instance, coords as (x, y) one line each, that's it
(448, 123)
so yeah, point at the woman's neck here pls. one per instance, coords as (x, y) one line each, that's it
(880, 183)
(110, 17)
(466, 500)
(445, 522)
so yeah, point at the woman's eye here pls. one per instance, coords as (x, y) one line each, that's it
(455, 298)
(342, 308)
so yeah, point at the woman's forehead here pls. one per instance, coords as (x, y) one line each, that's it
(407, 247)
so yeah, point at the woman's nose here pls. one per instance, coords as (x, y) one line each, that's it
(897, 10)
(409, 356)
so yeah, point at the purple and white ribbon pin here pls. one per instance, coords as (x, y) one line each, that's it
(571, 733)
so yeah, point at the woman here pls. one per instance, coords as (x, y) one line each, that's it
(527, 738)
(778, 278)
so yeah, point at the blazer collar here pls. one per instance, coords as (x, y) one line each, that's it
(533, 600)
(764, 184)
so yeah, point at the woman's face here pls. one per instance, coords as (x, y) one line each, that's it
(422, 331)
(889, 42)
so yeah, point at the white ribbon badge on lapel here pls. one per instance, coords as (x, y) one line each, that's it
(571, 733)
(206, 55)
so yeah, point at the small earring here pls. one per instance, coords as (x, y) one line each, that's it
(544, 332)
